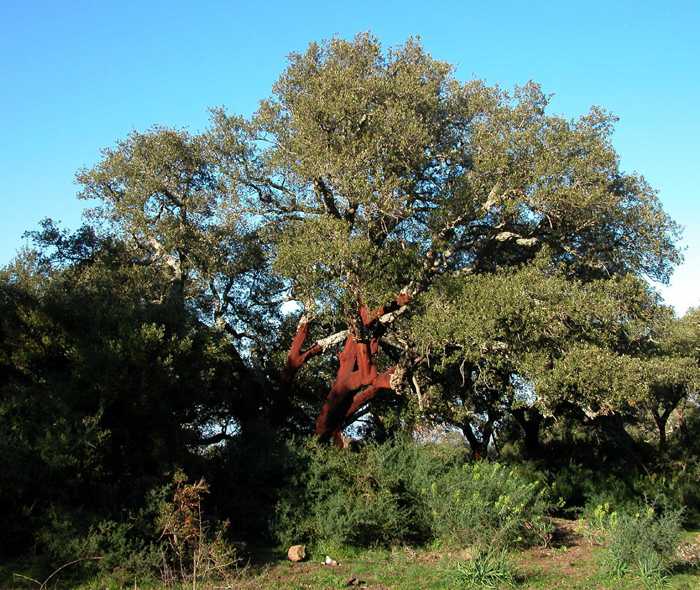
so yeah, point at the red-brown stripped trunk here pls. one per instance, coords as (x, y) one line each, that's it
(295, 357)
(357, 381)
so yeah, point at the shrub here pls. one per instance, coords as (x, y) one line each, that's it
(643, 544)
(676, 486)
(167, 538)
(402, 492)
(489, 568)
(190, 550)
(352, 498)
(598, 519)
(96, 548)
(489, 502)
(669, 487)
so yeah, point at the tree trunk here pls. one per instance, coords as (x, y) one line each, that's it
(346, 396)
(661, 422)
(479, 446)
(530, 421)
(357, 381)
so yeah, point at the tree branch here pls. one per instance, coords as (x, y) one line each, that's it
(327, 198)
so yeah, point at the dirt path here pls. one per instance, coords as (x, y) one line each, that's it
(568, 557)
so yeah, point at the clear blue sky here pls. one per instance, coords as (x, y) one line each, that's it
(77, 76)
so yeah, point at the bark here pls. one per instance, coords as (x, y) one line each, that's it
(295, 357)
(661, 422)
(357, 380)
(478, 445)
(530, 421)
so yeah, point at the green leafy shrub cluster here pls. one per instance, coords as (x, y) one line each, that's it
(100, 547)
(641, 542)
(671, 487)
(353, 498)
(168, 539)
(491, 501)
(488, 568)
(402, 492)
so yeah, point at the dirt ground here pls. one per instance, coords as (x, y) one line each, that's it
(569, 562)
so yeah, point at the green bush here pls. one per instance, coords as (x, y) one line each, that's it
(352, 498)
(489, 568)
(642, 544)
(167, 538)
(102, 547)
(489, 502)
(402, 492)
(670, 488)
(675, 487)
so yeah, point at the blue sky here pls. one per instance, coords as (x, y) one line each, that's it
(77, 76)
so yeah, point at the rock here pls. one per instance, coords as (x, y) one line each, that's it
(297, 553)
(330, 561)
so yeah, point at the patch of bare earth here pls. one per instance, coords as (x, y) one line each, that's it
(568, 555)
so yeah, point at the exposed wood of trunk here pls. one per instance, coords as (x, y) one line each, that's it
(295, 357)
(357, 381)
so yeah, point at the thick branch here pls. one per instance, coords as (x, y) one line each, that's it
(370, 317)
(357, 371)
(169, 259)
(296, 357)
(212, 439)
(323, 191)
(382, 382)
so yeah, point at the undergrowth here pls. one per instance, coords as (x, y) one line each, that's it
(402, 493)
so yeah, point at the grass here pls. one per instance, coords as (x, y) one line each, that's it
(571, 564)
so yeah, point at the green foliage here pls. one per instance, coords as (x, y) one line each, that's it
(535, 323)
(404, 493)
(480, 502)
(489, 569)
(348, 267)
(120, 549)
(643, 544)
(594, 494)
(598, 519)
(375, 164)
(167, 539)
(365, 498)
(105, 390)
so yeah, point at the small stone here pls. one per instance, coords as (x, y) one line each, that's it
(297, 553)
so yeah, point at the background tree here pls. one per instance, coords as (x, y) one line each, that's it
(166, 196)
(672, 368)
